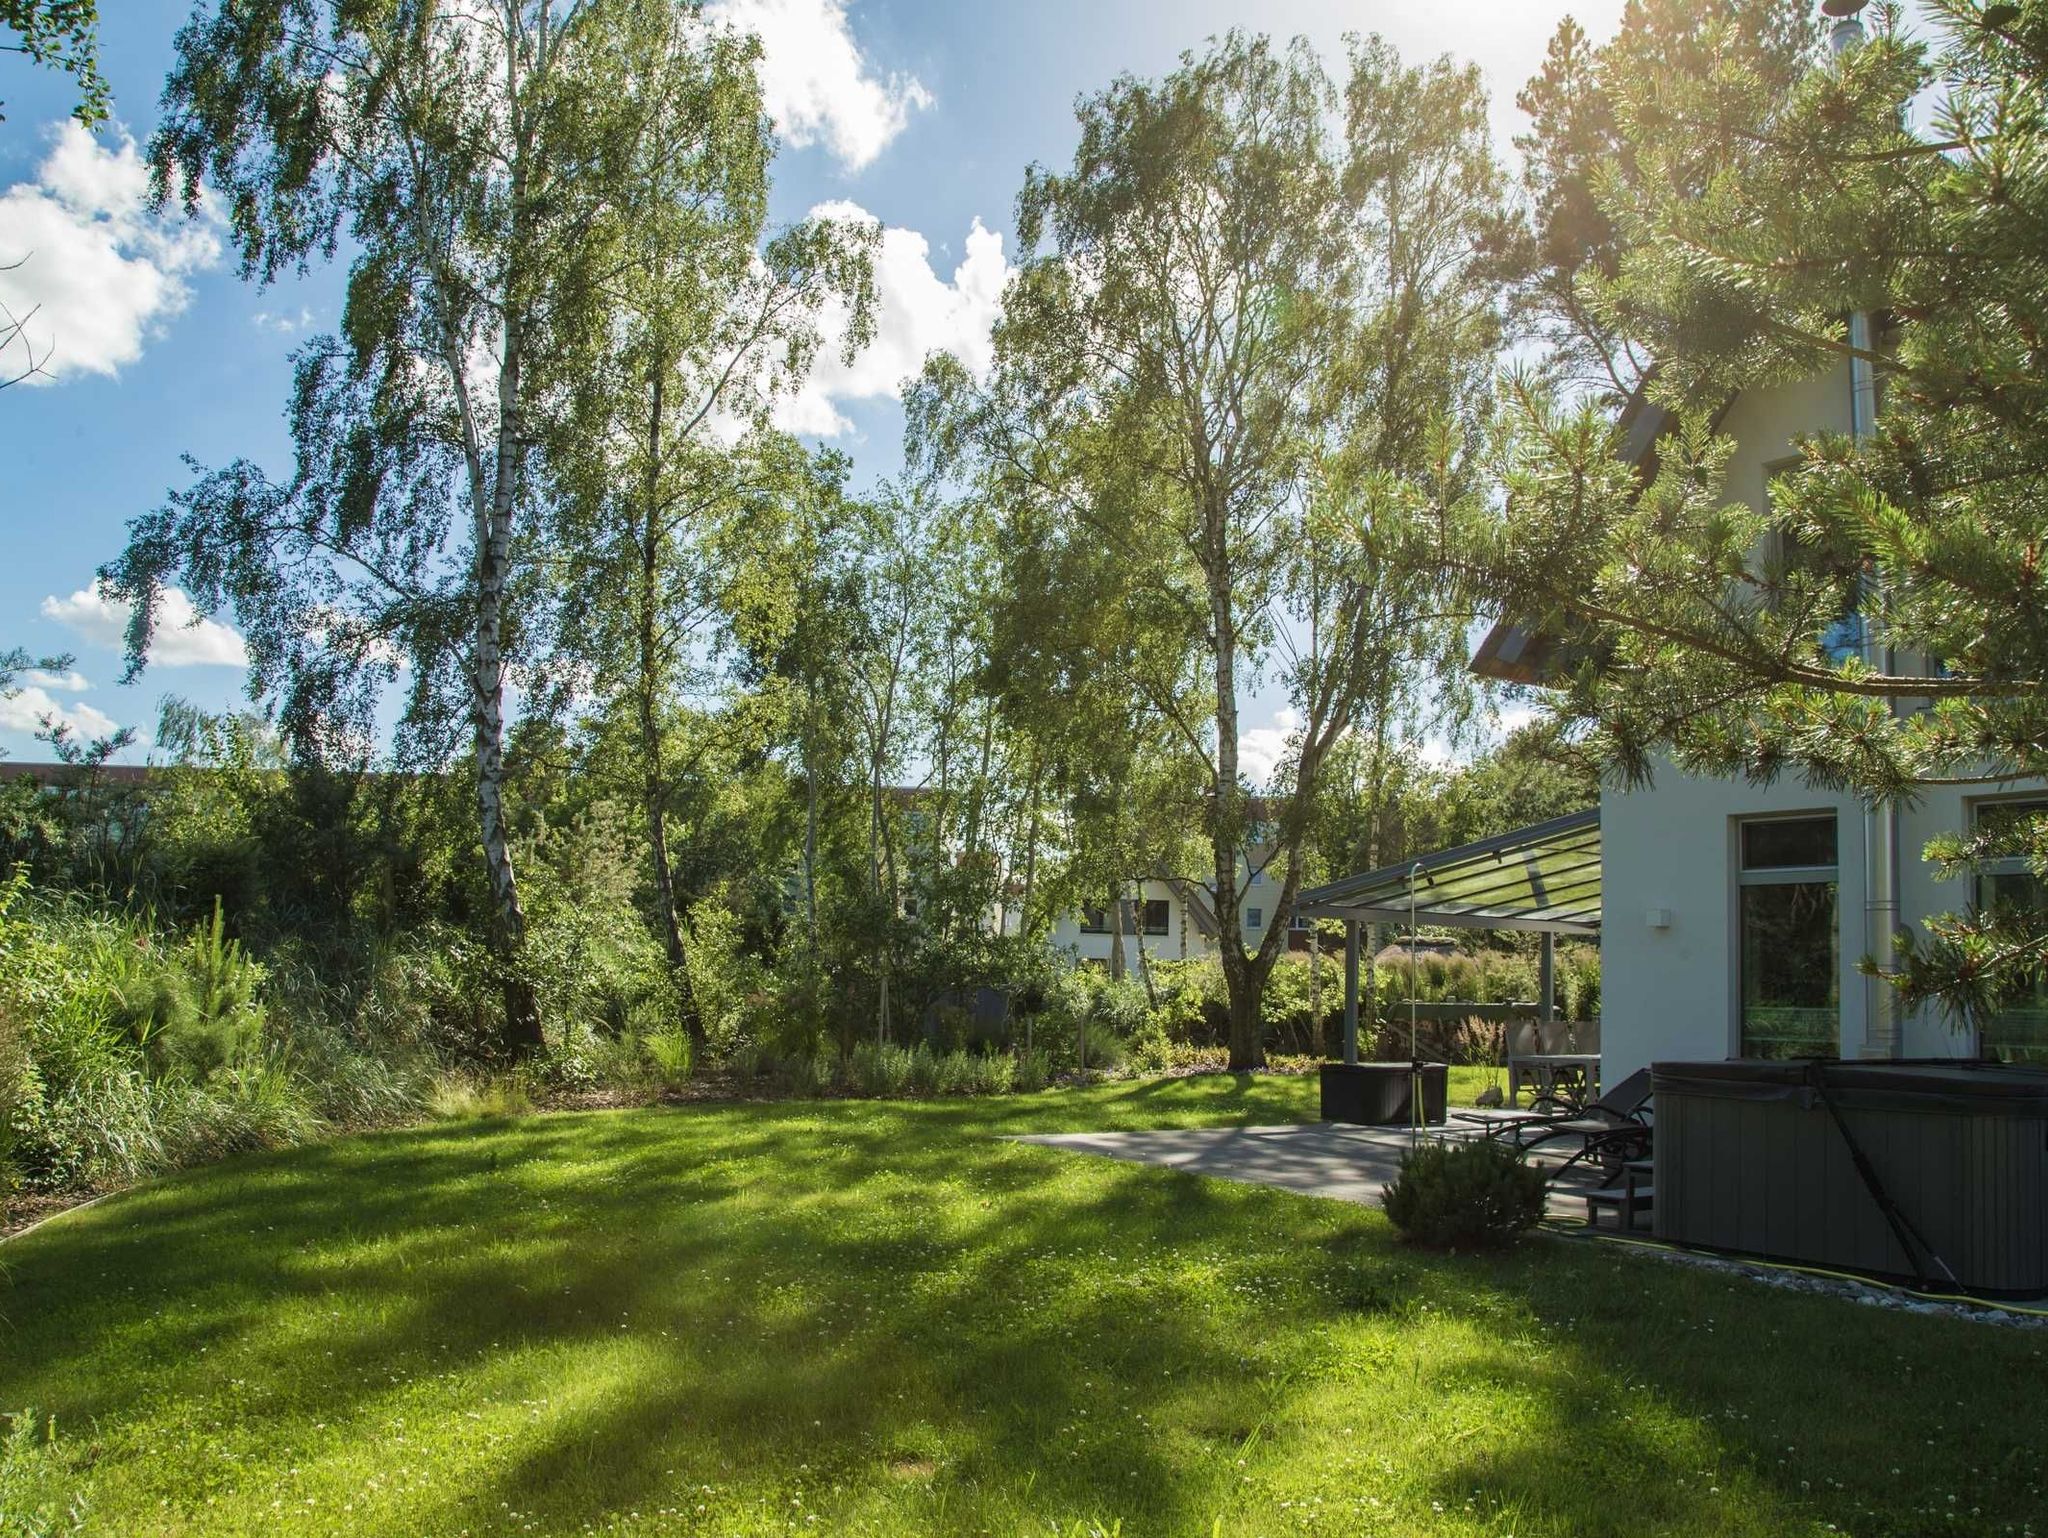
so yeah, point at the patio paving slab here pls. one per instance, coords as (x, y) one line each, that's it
(1328, 1159)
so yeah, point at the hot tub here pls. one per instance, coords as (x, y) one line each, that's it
(1376, 1094)
(1761, 1158)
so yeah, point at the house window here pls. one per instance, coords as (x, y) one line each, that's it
(1255, 918)
(1259, 876)
(2017, 1032)
(910, 907)
(1155, 915)
(1094, 921)
(1841, 639)
(1790, 937)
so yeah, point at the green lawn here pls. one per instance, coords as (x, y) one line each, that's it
(854, 1317)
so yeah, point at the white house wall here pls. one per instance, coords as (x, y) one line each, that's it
(1672, 992)
(1184, 938)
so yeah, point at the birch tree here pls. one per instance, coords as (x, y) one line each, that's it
(1246, 356)
(665, 468)
(463, 156)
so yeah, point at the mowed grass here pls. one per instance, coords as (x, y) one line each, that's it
(881, 1318)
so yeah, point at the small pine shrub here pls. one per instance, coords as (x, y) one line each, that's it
(1034, 1072)
(1106, 1050)
(995, 1074)
(1471, 1194)
(746, 1060)
(882, 1070)
(806, 1073)
(955, 1074)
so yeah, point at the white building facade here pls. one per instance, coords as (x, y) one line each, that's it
(1735, 916)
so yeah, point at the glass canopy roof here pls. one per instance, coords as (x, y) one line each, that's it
(1545, 878)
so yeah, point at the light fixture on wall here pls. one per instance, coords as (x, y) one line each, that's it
(1659, 918)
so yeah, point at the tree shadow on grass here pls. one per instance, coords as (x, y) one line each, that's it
(959, 1330)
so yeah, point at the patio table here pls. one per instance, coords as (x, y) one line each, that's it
(1546, 1066)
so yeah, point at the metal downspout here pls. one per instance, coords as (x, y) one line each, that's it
(1880, 818)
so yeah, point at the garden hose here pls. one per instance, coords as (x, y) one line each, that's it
(1586, 1232)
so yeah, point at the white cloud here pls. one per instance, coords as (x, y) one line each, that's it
(815, 81)
(1261, 750)
(73, 682)
(94, 274)
(183, 637)
(24, 712)
(283, 325)
(917, 313)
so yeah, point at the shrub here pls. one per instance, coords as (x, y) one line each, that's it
(805, 1073)
(954, 1074)
(995, 1074)
(746, 1060)
(1472, 1194)
(466, 1097)
(1106, 1050)
(669, 1054)
(1034, 1072)
(878, 1070)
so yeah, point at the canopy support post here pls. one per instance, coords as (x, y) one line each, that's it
(1547, 980)
(1351, 992)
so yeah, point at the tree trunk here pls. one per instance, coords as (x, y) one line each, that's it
(487, 714)
(811, 813)
(1144, 961)
(1115, 915)
(1243, 979)
(654, 785)
(1030, 848)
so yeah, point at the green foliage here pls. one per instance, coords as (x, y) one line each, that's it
(472, 1097)
(1744, 212)
(671, 1054)
(124, 1052)
(1471, 1193)
(64, 35)
(878, 1070)
(1214, 488)
(41, 1494)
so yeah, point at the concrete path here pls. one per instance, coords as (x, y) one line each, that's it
(1330, 1159)
(1344, 1163)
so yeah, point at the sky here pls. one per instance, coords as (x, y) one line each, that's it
(922, 113)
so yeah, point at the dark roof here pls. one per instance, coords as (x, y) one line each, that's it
(71, 774)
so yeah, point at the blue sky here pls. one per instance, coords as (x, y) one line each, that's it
(921, 112)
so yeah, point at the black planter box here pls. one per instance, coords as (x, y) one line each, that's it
(1376, 1094)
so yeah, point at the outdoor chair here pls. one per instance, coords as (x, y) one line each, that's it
(1522, 1044)
(1611, 1130)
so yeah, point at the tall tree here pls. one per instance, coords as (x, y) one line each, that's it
(1561, 249)
(1249, 362)
(1905, 181)
(466, 154)
(663, 461)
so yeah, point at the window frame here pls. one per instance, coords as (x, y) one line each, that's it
(1829, 875)
(1991, 870)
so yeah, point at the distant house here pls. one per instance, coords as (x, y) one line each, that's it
(1174, 914)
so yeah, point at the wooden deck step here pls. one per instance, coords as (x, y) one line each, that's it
(1626, 1203)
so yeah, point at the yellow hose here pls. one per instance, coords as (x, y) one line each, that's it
(1586, 1231)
